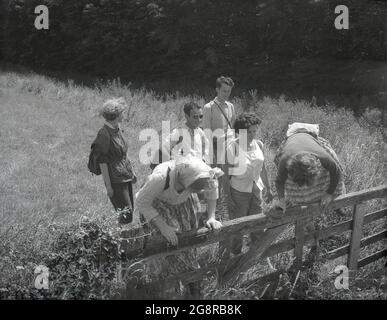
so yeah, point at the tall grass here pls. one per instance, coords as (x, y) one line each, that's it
(45, 135)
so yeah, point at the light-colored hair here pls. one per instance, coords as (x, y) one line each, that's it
(191, 169)
(112, 108)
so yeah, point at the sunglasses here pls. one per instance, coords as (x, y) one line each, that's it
(196, 116)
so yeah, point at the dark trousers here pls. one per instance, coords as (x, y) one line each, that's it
(241, 204)
(123, 199)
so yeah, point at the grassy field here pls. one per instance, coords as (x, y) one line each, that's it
(46, 128)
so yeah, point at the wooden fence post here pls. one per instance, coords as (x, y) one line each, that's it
(357, 231)
(299, 245)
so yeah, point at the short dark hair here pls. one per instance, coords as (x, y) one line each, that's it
(303, 167)
(226, 80)
(190, 106)
(246, 120)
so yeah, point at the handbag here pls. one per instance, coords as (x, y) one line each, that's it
(93, 164)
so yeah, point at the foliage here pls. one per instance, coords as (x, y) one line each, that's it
(83, 263)
(154, 39)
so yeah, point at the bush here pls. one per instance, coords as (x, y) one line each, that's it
(83, 263)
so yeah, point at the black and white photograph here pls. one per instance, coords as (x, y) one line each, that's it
(212, 152)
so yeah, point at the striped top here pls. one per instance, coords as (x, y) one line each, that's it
(304, 142)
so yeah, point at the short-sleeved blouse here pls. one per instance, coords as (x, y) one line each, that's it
(248, 168)
(111, 148)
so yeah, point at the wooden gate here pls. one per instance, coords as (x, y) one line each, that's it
(133, 248)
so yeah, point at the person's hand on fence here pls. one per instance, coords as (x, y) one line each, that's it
(277, 208)
(326, 200)
(213, 224)
(169, 233)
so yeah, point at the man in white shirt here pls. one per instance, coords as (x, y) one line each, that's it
(188, 138)
(219, 116)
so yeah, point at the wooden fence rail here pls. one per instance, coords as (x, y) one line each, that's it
(134, 249)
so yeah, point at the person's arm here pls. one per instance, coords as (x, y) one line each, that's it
(153, 187)
(266, 183)
(102, 144)
(106, 179)
(207, 128)
(211, 197)
(282, 175)
(334, 173)
(211, 206)
(229, 167)
(265, 176)
(232, 161)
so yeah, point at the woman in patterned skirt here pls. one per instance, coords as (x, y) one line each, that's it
(168, 201)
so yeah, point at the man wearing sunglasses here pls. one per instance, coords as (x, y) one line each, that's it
(188, 138)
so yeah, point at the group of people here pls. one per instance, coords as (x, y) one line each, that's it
(192, 172)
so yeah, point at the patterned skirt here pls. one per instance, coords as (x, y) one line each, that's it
(184, 217)
(297, 195)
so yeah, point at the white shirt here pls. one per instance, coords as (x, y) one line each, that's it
(216, 125)
(253, 162)
(194, 143)
(214, 119)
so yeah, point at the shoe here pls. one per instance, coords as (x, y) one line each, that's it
(125, 217)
